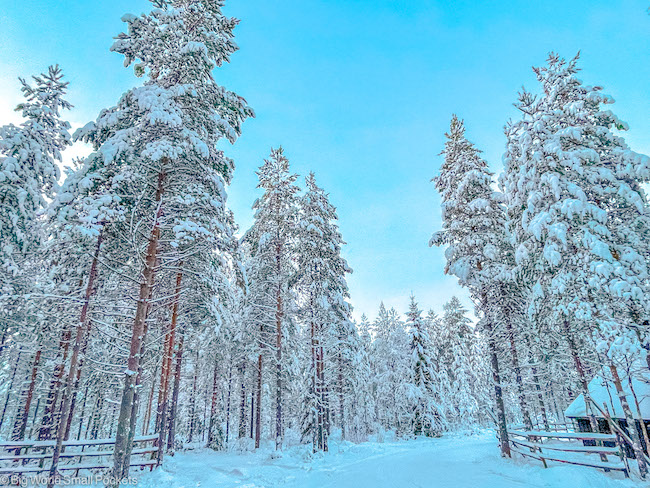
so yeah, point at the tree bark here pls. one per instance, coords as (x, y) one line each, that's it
(632, 425)
(82, 416)
(177, 385)
(228, 403)
(51, 403)
(163, 392)
(538, 387)
(252, 413)
(242, 404)
(133, 364)
(498, 392)
(72, 371)
(517, 370)
(147, 412)
(213, 405)
(21, 421)
(646, 437)
(10, 390)
(193, 399)
(258, 406)
(278, 366)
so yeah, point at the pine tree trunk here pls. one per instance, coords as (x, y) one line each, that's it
(252, 413)
(51, 403)
(163, 392)
(138, 387)
(540, 397)
(632, 425)
(258, 406)
(10, 389)
(278, 368)
(212, 442)
(315, 413)
(242, 403)
(75, 392)
(83, 414)
(3, 340)
(517, 370)
(177, 386)
(644, 429)
(133, 364)
(96, 416)
(193, 399)
(34, 417)
(228, 403)
(498, 392)
(72, 370)
(84, 347)
(323, 399)
(147, 412)
(340, 387)
(21, 420)
(538, 387)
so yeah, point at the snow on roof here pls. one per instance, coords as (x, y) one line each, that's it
(602, 390)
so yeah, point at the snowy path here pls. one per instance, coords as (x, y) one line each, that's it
(452, 462)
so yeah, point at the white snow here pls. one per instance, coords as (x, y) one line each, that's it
(453, 461)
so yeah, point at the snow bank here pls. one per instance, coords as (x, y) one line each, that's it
(450, 461)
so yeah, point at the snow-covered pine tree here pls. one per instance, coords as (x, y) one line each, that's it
(474, 229)
(390, 363)
(162, 139)
(462, 368)
(270, 271)
(362, 414)
(321, 281)
(28, 167)
(421, 389)
(579, 214)
(29, 157)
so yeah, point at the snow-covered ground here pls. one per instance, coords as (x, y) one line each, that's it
(452, 461)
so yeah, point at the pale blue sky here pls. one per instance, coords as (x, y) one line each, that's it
(361, 92)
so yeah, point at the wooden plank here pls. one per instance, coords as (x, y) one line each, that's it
(25, 457)
(91, 442)
(570, 448)
(23, 469)
(594, 464)
(69, 467)
(72, 454)
(583, 436)
(590, 464)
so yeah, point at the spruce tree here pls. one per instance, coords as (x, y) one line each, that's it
(271, 270)
(474, 229)
(425, 417)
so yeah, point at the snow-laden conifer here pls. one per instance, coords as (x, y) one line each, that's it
(474, 231)
(421, 389)
(578, 213)
(270, 270)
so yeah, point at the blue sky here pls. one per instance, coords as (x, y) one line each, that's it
(361, 92)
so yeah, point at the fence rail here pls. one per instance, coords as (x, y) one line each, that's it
(550, 446)
(16, 458)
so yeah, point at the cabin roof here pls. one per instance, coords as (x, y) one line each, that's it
(602, 390)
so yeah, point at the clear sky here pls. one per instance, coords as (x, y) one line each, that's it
(361, 92)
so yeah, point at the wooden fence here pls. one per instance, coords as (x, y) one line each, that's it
(570, 448)
(19, 458)
(552, 427)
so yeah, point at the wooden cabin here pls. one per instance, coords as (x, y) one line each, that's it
(602, 390)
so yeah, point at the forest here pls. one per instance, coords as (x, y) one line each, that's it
(132, 304)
